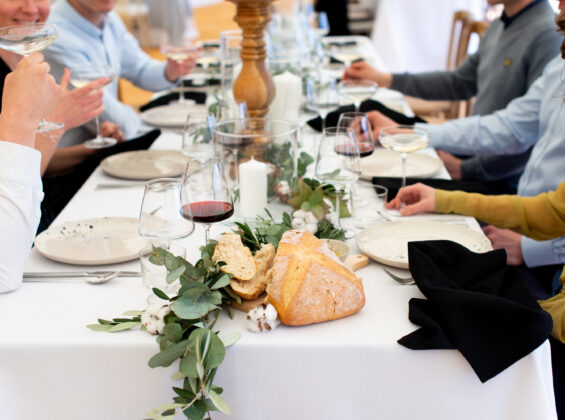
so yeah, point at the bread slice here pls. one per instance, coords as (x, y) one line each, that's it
(310, 284)
(238, 258)
(252, 289)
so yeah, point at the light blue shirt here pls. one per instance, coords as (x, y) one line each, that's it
(80, 43)
(535, 119)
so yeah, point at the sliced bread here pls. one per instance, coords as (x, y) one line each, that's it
(238, 258)
(250, 290)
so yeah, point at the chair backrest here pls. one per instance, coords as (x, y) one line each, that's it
(457, 46)
(479, 28)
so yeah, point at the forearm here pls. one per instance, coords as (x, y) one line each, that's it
(440, 85)
(493, 167)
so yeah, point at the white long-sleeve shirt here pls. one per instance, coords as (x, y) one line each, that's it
(21, 193)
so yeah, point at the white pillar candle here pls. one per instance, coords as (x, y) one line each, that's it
(288, 94)
(252, 188)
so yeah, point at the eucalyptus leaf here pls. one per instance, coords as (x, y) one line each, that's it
(173, 332)
(184, 393)
(223, 281)
(167, 406)
(99, 327)
(195, 304)
(187, 365)
(196, 411)
(219, 402)
(200, 370)
(230, 338)
(175, 274)
(177, 375)
(171, 262)
(167, 357)
(123, 326)
(133, 313)
(159, 293)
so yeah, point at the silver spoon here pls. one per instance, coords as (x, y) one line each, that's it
(399, 279)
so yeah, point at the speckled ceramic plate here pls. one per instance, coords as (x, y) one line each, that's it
(145, 164)
(100, 241)
(383, 162)
(387, 243)
(173, 115)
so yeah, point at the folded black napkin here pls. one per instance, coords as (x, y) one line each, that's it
(334, 60)
(366, 106)
(339, 44)
(198, 97)
(60, 189)
(476, 304)
(393, 184)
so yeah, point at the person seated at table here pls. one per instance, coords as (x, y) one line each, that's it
(511, 56)
(75, 107)
(30, 93)
(91, 33)
(531, 120)
(541, 217)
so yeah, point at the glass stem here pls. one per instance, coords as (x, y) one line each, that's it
(98, 133)
(403, 182)
(206, 233)
(181, 92)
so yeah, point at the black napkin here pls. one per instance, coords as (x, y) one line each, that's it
(393, 184)
(334, 60)
(199, 97)
(476, 304)
(366, 106)
(60, 189)
(339, 44)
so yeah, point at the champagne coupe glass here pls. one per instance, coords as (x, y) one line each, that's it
(404, 139)
(357, 90)
(25, 40)
(322, 97)
(359, 124)
(337, 162)
(208, 197)
(81, 76)
(161, 216)
(346, 56)
(180, 53)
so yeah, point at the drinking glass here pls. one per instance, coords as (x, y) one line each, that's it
(357, 90)
(208, 198)
(25, 40)
(209, 55)
(346, 56)
(197, 140)
(81, 76)
(322, 97)
(321, 24)
(404, 139)
(337, 162)
(161, 216)
(179, 53)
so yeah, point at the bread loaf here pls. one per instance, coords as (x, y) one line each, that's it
(238, 258)
(252, 289)
(309, 284)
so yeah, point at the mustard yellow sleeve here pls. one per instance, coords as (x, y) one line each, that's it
(541, 217)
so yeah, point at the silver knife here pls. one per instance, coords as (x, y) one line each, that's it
(117, 186)
(54, 274)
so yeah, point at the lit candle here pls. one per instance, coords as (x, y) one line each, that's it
(252, 188)
(288, 94)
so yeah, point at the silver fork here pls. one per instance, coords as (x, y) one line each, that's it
(399, 279)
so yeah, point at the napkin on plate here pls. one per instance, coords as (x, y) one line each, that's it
(393, 184)
(198, 97)
(476, 304)
(60, 189)
(369, 105)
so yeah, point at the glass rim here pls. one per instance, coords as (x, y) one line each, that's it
(152, 182)
(293, 127)
(404, 127)
(31, 25)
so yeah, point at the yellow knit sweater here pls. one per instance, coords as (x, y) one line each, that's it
(541, 217)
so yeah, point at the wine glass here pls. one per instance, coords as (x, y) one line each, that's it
(404, 139)
(25, 40)
(81, 76)
(346, 56)
(357, 90)
(197, 140)
(208, 197)
(322, 97)
(321, 24)
(180, 53)
(337, 162)
(209, 55)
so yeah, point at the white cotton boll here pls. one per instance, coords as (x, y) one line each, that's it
(332, 218)
(284, 188)
(312, 228)
(153, 318)
(299, 214)
(298, 223)
(310, 219)
(262, 318)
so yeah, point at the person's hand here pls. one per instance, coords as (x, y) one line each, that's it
(30, 93)
(418, 198)
(362, 70)
(176, 69)
(378, 122)
(507, 240)
(452, 164)
(110, 129)
(80, 105)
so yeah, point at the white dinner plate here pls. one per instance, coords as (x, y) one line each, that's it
(145, 164)
(387, 243)
(105, 240)
(173, 115)
(384, 162)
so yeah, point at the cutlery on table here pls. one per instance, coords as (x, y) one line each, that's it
(400, 279)
(93, 277)
(117, 186)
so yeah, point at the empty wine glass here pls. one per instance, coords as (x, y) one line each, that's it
(337, 162)
(322, 97)
(25, 40)
(80, 77)
(357, 90)
(208, 197)
(197, 140)
(180, 53)
(404, 139)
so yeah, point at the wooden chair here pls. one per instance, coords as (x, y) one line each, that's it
(479, 28)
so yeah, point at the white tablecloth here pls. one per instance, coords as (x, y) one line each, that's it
(53, 367)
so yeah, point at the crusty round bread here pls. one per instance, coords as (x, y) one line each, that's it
(252, 289)
(238, 258)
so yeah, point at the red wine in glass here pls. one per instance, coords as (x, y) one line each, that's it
(208, 211)
(363, 149)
